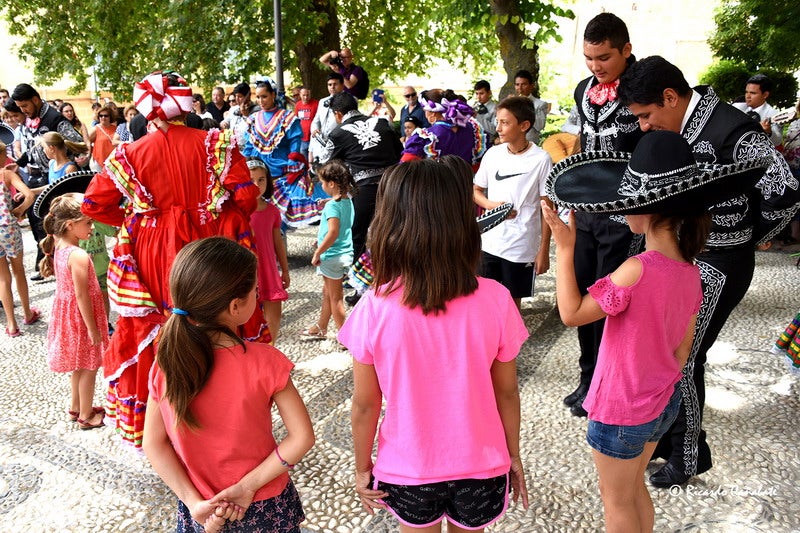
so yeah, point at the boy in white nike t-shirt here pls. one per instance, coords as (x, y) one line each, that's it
(514, 171)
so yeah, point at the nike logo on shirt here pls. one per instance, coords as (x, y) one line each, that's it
(499, 176)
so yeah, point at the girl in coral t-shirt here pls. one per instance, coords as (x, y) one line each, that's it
(208, 430)
(439, 345)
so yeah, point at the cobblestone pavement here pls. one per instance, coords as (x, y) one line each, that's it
(54, 478)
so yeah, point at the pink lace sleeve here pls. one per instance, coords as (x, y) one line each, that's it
(612, 298)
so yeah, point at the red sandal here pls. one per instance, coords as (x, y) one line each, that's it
(35, 316)
(86, 424)
(73, 415)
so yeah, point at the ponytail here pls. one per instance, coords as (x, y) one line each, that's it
(75, 147)
(186, 357)
(48, 246)
(693, 233)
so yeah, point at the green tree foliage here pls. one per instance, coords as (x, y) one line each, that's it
(758, 33)
(118, 41)
(728, 79)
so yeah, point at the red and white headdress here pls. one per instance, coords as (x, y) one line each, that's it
(153, 96)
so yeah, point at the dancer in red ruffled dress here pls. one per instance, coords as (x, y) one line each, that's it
(178, 185)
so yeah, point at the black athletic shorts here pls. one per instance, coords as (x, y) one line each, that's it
(467, 503)
(518, 278)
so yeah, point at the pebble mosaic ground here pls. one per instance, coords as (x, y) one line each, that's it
(55, 478)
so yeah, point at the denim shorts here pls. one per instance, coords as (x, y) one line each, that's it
(335, 267)
(627, 442)
(467, 503)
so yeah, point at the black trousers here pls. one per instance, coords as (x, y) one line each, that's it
(364, 210)
(725, 276)
(601, 246)
(38, 234)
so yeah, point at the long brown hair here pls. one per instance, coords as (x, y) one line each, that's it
(53, 138)
(63, 209)
(424, 236)
(206, 276)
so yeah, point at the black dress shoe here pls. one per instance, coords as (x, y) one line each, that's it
(577, 394)
(37, 277)
(352, 299)
(577, 408)
(668, 476)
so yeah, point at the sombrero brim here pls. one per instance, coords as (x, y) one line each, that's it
(72, 182)
(6, 135)
(559, 146)
(493, 217)
(591, 182)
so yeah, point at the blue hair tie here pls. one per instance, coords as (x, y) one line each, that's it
(179, 311)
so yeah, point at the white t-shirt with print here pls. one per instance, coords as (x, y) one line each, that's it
(519, 179)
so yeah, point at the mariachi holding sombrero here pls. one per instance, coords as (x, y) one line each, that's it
(650, 303)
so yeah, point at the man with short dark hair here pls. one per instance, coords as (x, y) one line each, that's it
(356, 81)
(603, 242)
(218, 105)
(367, 145)
(3, 97)
(412, 108)
(523, 84)
(657, 93)
(484, 107)
(756, 92)
(40, 119)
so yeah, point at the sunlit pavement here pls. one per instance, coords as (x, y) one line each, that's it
(54, 478)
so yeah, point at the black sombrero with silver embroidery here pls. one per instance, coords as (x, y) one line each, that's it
(6, 135)
(72, 182)
(660, 175)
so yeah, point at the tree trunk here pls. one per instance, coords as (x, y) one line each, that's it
(313, 73)
(511, 38)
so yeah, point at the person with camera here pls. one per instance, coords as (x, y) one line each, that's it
(381, 107)
(356, 81)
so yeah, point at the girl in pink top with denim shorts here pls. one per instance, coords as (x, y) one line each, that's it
(439, 345)
(651, 300)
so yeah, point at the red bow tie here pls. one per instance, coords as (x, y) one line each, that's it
(603, 92)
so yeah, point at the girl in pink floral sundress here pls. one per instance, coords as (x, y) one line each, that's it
(77, 334)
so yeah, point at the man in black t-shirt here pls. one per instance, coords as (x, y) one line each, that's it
(218, 106)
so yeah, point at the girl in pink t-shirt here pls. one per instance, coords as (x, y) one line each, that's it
(438, 344)
(208, 430)
(651, 301)
(270, 249)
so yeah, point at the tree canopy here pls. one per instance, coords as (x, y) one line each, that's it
(119, 41)
(758, 33)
